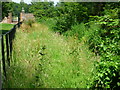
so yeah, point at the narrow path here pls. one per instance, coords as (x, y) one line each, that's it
(42, 58)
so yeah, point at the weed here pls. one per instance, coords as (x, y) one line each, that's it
(43, 59)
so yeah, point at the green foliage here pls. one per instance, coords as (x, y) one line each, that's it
(107, 73)
(68, 15)
(6, 8)
(101, 33)
(97, 24)
(14, 8)
(17, 8)
(63, 24)
(77, 31)
(5, 26)
(109, 20)
(42, 9)
(43, 59)
(50, 22)
(105, 42)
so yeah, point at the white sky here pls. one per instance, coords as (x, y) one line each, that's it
(28, 1)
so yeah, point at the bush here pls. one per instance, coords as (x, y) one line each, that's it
(63, 23)
(50, 22)
(77, 30)
(105, 42)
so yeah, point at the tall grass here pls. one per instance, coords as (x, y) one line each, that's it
(43, 59)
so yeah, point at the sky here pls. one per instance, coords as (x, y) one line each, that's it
(28, 1)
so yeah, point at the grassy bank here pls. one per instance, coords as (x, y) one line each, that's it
(43, 59)
(4, 27)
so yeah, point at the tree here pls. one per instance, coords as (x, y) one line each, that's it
(6, 8)
(24, 5)
(42, 9)
(22, 1)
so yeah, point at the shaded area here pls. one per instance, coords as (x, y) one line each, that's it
(4, 31)
(6, 43)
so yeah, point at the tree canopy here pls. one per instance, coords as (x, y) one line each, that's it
(14, 8)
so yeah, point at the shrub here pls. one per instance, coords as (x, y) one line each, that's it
(50, 22)
(63, 23)
(106, 42)
(77, 30)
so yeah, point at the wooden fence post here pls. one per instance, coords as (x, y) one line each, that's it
(3, 55)
(7, 49)
(10, 44)
(18, 20)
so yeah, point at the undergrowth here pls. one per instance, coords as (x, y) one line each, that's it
(43, 59)
(102, 35)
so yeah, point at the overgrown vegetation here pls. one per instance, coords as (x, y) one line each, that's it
(43, 59)
(107, 45)
(29, 22)
(97, 24)
(78, 27)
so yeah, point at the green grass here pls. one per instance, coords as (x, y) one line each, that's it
(5, 27)
(43, 59)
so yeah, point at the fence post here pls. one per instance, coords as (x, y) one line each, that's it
(3, 55)
(0, 78)
(10, 44)
(7, 49)
(18, 20)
